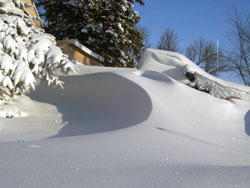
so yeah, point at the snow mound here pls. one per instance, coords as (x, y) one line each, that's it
(182, 69)
(114, 127)
(97, 99)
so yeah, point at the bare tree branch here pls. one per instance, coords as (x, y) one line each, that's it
(204, 54)
(169, 41)
(146, 35)
(239, 56)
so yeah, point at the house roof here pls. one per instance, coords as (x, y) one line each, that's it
(76, 43)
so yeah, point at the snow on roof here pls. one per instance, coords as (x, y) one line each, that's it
(85, 49)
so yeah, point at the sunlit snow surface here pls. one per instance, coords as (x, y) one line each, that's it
(114, 127)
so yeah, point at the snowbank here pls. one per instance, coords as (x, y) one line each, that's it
(176, 66)
(125, 128)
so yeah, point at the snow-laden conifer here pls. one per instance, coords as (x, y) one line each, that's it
(27, 53)
(107, 27)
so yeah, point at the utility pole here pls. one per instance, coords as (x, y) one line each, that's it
(217, 65)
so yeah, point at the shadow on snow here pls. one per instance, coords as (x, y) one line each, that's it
(96, 103)
(247, 123)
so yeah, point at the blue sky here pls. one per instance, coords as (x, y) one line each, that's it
(191, 19)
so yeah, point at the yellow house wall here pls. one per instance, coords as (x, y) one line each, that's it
(77, 54)
(71, 50)
(33, 12)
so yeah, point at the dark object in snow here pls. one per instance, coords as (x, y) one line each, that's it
(203, 90)
(190, 76)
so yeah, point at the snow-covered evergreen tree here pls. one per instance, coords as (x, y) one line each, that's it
(107, 27)
(27, 53)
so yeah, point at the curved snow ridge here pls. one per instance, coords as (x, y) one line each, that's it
(128, 100)
(98, 102)
(162, 61)
(154, 75)
(182, 109)
(176, 66)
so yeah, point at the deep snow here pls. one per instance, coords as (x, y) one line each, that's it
(114, 127)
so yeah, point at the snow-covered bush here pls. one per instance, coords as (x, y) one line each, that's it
(213, 87)
(27, 53)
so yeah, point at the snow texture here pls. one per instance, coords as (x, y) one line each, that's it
(114, 127)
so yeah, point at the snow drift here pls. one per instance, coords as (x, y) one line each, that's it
(177, 66)
(129, 128)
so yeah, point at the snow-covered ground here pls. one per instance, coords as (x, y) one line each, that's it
(114, 127)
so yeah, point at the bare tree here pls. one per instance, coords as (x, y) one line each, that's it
(169, 41)
(204, 54)
(239, 56)
(146, 35)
